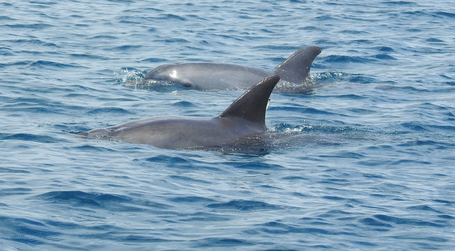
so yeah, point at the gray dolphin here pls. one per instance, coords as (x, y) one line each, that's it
(214, 76)
(242, 119)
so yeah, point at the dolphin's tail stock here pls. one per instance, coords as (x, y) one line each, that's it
(295, 68)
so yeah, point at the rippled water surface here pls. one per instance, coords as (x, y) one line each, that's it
(367, 161)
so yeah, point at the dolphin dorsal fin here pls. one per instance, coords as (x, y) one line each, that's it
(252, 104)
(296, 67)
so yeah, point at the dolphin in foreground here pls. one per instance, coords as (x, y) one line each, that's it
(293, 73)
(242, 119)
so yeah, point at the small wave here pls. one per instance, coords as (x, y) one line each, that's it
(384, 57)
(18, 63)
(44, 63)
(5, 18)
(174, 40)
(15, 191)
(258, 166)
(423, 208)
(243, 205)
(190, 199)
(374, 223)
(361, 79)
(346, 59)
(127, 47)
(29, 26)
(172, 17)
(446, 14)
(75, 197)
(28, 137)
(89, 56)
(406, 221)
(222, 242)
(280, 228)
(33, 42)
(154, 60)
(100, 200)
(104, 37)
(91, 148)
(414, 126)
(178, 162)
(109, 110)
(278, 47)
(385, 49)
(13, 170)
(400, 3)
(183, 104)
(170, 161)
(434, 40)
(82, 198)
(27, 231)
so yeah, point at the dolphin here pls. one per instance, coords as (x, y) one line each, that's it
(293, 73)
(242, 119)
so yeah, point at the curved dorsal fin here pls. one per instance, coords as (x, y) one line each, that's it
(296, 67)
(253, 103)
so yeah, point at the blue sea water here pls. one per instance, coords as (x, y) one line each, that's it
(368, 163)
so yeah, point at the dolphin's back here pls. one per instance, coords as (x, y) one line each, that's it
(243, 118)
(209, 76)
(179, 132)
(218, 76)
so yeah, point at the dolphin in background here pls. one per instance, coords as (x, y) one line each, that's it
(243, 119)
(293, 73)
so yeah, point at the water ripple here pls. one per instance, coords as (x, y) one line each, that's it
(407, 221)
(243, 205)
(29, 137)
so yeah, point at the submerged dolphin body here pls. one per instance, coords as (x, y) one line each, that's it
(293, 73)
(242, 119)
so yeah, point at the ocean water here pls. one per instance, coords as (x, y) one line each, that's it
(367, 164)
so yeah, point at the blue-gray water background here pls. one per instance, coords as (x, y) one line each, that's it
(370, 165)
